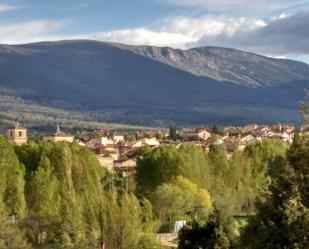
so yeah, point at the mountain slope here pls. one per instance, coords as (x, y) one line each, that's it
(119, 83)
(225, 64)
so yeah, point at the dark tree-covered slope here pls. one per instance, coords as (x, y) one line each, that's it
(125, 84)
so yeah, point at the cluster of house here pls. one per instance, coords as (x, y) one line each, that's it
(116, 153)
(243, 136)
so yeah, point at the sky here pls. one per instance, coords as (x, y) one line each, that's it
(277, 28)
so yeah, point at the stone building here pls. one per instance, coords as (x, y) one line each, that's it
(17, 134)
(58, 136)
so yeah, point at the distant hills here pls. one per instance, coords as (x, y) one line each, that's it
(90, 81)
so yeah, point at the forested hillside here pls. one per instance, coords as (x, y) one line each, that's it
(87, 83)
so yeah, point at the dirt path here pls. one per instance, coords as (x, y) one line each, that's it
(166, 238)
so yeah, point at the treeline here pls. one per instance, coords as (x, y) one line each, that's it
(40, 117)
(189, 180)
(254, 199)
(281, 219)
(55, 195)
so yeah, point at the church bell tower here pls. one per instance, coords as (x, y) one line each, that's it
(17, 134)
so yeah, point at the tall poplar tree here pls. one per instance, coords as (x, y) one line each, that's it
(282, 220)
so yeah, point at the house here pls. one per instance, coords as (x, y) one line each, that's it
(106, 162)
(117, 138)
(126, 168)
(112, 139)
(195, 134)
(283, 128)
(261, 131)
(232, 131)
(138, 144)
(249, 128)
(58, 136)
(17, 134)
(151, 141)
(246, 140)
(110, 150)
(94, 144)
(106, 140)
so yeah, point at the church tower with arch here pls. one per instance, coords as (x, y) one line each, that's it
(17, 134)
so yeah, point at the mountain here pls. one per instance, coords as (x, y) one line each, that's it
(225, 64)
(144, 85)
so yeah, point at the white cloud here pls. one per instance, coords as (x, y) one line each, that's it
(28, 31)
(5, 7)
(212, 26)
(142, 36)
(181, 32)
(281, 16)
(284, 35)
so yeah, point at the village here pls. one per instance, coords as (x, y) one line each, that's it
(116, 151)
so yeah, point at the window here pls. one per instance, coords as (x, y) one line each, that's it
(20, 133)
(11, 133)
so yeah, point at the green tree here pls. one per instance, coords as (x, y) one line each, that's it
(63, 192)
(241, 182)
(282, 220)
(212, 234)
(155, 167)
(216, 129)
(232, 183)
(173, 132)
(12, 181)
(11, 237)
(147, 241)
(44, 201)
(159, 135)
(124, 221)
(265, 160)
(181, 199)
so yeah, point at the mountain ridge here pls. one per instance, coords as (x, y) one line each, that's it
(205, 64)
(116, 84)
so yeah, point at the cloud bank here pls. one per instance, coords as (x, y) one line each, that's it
(242, 6)
(282, 35)
(278, 36)
(285, 35)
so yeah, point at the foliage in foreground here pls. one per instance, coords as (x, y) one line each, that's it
(184, 183)
(60, 197)
(214, 233)
(282, 220)
(56, 193)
